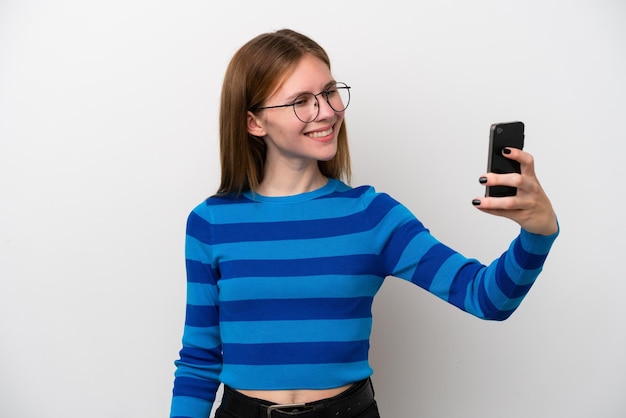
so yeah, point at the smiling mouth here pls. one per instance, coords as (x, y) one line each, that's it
(320, 134)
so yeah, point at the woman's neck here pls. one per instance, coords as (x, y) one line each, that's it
(281, 183)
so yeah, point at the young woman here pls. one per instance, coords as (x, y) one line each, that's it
(283, 262)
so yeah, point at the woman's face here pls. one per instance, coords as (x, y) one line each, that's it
(288, 139)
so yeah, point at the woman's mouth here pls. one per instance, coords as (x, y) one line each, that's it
(320, 134)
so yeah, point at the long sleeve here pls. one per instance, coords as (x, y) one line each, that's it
(489, 292)
(196, 377)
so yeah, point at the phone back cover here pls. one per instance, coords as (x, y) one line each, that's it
(510, 134)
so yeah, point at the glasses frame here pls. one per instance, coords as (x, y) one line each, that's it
(325, 93)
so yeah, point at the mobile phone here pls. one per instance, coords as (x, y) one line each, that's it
(501, 135)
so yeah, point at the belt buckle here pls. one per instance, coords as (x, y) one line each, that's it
(273, 408)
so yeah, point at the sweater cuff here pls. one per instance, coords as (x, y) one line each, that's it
(188, 407)
(536, 243)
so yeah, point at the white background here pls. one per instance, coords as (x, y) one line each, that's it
(108, 138)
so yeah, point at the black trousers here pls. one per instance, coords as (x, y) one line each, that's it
(355, 402)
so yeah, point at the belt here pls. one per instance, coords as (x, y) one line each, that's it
(352, 402)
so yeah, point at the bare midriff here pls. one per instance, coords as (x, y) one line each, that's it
(284, 397)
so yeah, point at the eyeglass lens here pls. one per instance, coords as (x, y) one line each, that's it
(306, 106)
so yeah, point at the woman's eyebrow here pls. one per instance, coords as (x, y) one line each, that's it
(295, 95)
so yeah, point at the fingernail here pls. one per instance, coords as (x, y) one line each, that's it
(475, 202)
(506, 151)
(482, 180)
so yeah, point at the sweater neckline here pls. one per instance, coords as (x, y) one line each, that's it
(329, 187)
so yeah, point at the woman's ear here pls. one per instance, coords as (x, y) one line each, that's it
(255, 126)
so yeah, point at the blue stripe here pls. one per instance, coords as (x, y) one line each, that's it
(506, 285)
(351, 264)
(348, 193)
(197, 388)
(440, 285)
(485, 304)
(488, 308)
(525, 259)
(536, 244)
(296, 309)
(202, 294)
(187, 406)
(199, 228)
(517, 272)
(198, 251)
(229, 199)
(296, 353)
(407, 263)
(472, 302)
(199, 356)
(460, 284)
(201, 316)
(198, 272)
(297, 249)
(292, 287)
(400, 241)
(306, 229)
(201, 334)
(295, 331)
(289, 376)
(321, 209)
(430, 264)
(379, 207)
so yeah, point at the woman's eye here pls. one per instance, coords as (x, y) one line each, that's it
(302, 101)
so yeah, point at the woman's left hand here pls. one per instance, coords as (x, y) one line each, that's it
(530, 207)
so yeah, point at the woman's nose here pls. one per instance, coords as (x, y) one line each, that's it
(325, 111)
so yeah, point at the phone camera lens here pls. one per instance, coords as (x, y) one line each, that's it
(499, 130)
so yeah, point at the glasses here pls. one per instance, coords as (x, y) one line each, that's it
(307, 107)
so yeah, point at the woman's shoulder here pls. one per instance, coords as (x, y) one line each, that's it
(366, 194)
(217, 203)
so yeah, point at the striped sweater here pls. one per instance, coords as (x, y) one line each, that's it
(280, 289)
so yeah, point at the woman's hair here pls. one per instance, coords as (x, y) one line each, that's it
(254, 73)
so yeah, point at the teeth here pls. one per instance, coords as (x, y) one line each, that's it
(321, 133)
